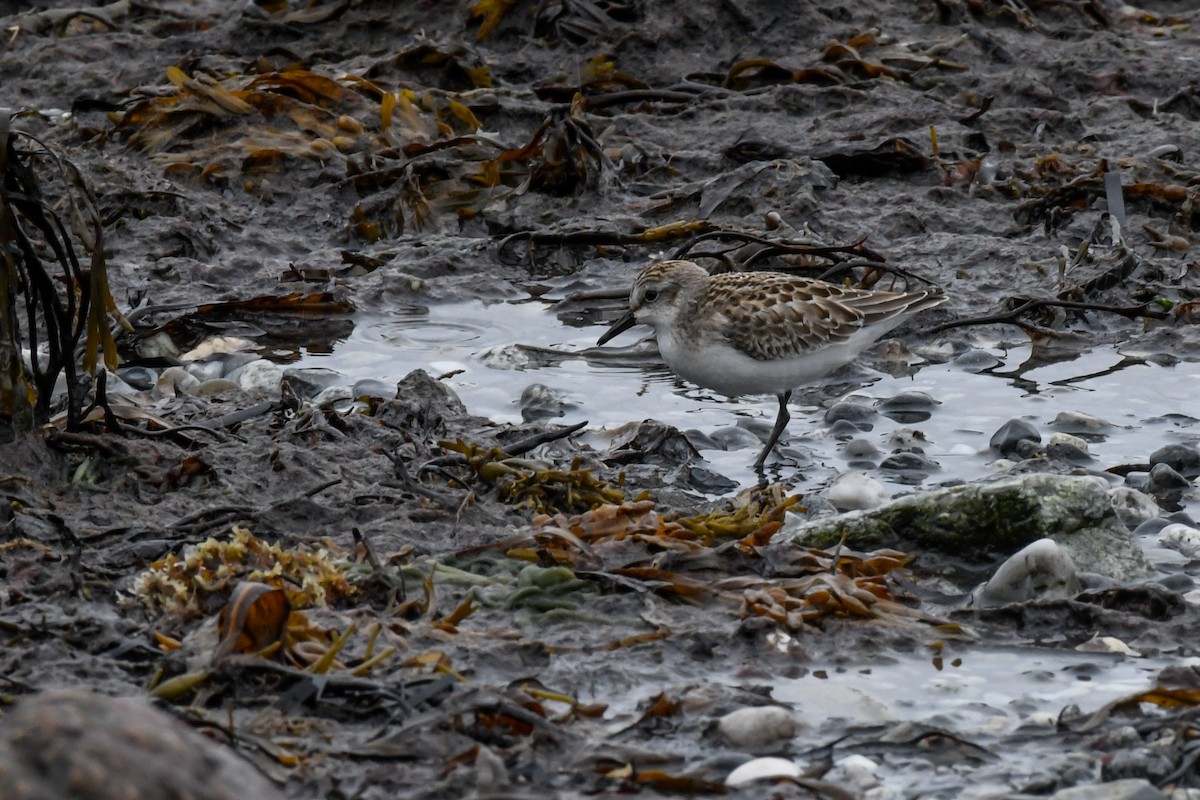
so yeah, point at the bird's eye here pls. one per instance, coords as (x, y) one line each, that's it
(651, 295)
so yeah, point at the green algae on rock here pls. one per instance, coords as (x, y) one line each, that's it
(982, 523)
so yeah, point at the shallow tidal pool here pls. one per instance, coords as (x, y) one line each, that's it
(495, 352)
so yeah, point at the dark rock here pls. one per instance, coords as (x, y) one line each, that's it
(140, 378)
(1064, 451)
(844, 430)
(856, 413)
(1166, 486)
(539, 401)
(1183, 459)
(910, 462)
(908, 407)
(310, 382)
(1008, 438)
(1140, 762)
(651, 442)
(422, 405)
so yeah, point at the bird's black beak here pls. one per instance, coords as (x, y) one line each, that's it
(620, 326)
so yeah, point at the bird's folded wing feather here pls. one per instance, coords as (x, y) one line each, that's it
(786, 317)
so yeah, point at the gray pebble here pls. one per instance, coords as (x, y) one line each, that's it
(370, 387)
(856, 413)
(1180, 457)
(140, 378)
(909, 462)
(1006, 440)
(977, 361)
(908, 407)
(1166, 486)
(311, 381)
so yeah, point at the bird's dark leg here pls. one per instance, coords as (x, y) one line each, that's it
(781, 422)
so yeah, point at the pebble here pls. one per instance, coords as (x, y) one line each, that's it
(757, 727)
(1166, 485)
(908, 407)
(1132, 506)
(1069, 440)
(158, 345)
(735, 437)
(1136, 764)
(1183, 538)
(215, 345)
(709, 482)
(140, 378)
(333, 394)
(206, 370)
(311, 381)
(910, 462)
(1177, 582)
(853, 490)
(1042, 569)
(760, 768)
(1008, 438)
(1077, 422)
(503, 357)
(1107, 644)
(370, 387)
(1183, 459)
(538, 401)
(260, 377)
(175, 381)
(854, 772)
(1063, 451)
(1151, 526)
(1129, 789)
(861, 450)
(115, 387)
(857, 413)
(844, 430)
(907, 440)
(977, 361)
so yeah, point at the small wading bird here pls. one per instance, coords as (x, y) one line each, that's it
(760, 332)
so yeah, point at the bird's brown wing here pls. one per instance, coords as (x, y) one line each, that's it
(782, 315)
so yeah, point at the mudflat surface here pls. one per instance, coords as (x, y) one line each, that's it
(367, 156)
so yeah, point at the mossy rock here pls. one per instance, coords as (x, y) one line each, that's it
(981, 524)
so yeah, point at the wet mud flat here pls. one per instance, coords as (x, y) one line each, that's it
(376, 593)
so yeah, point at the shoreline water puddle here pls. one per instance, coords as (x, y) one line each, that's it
(495, 352)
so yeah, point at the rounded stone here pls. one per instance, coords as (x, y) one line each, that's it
(908, 407)
(1166, 485)
(977, 361)
(259, 377)
(140, 378)
(910, 462)
(1133, 507)
(853, 490)
(757, 727)
(1077, 422)
(856, 413)
(1009, 436)
(1183, 459)
(539, 401)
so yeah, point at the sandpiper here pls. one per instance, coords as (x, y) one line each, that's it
(760, 332)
